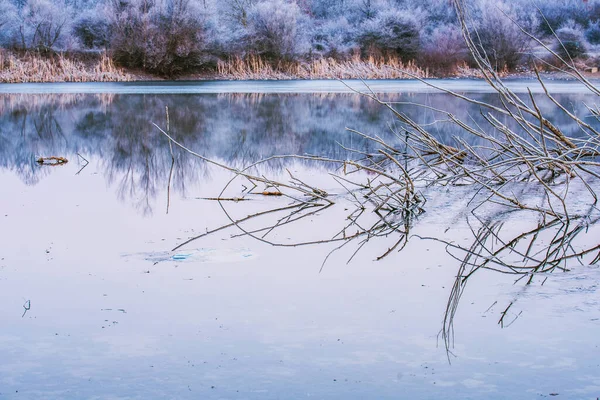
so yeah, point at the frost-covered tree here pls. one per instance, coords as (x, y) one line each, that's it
(333, 38)
(92, 28)
(557, 12)
(393, 31)
(8, 13)
(439, 12)
(571, 42)
(443, 48)
(592, 33)
(162, 36)
(368, 9)
(236, 11)
(8, 22)
(327, 9)
(172, 36)
(272, 30)
(42, 25)
(499, 37)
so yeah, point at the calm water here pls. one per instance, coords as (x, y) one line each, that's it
(111, 314)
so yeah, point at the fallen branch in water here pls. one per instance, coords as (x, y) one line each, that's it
(517, 162)
(172, 161)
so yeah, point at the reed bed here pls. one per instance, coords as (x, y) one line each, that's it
(32, 67)
(371, 68)
(59, 68)
(253, 67)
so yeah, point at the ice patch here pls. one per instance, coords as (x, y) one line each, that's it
(201, 255)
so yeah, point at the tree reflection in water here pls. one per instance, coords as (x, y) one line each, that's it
(519, 166)
(238, 129)
(114, 131)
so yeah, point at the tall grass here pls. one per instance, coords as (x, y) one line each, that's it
(253, 67)
(32, 67)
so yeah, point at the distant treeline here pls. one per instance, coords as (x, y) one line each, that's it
(172, 37)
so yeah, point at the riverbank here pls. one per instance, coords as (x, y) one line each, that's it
(321, 87)
(62, 67)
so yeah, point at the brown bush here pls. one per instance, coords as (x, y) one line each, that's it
(157, 40)
(443, 50)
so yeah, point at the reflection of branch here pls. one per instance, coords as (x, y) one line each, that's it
(249, 217)
(172, 162)
(548, 246)
(503, 314)
(26, 307)
(252, 178)
(85, 165)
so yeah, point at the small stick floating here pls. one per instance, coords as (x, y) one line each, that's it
(266, 193)
(52, 160)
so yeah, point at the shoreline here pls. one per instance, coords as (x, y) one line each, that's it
(135, 77)
(64, 68)
(518, 85)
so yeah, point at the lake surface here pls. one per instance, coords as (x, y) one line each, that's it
(94, 304)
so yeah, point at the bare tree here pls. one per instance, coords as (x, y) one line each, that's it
(41, 25)
(237, 10)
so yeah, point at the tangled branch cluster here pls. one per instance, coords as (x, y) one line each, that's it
(519, 151)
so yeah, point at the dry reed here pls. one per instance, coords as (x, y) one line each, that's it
(60, 68)
(33, 67)
(253, 67)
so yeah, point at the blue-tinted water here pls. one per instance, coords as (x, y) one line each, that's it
(112, 315)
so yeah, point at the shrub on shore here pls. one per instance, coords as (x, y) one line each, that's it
(391, 32)
(444, 50)
(162, 37)
(498, 38)
(571, 43)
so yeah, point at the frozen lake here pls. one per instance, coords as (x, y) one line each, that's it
(292, 86)
(94, 304)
